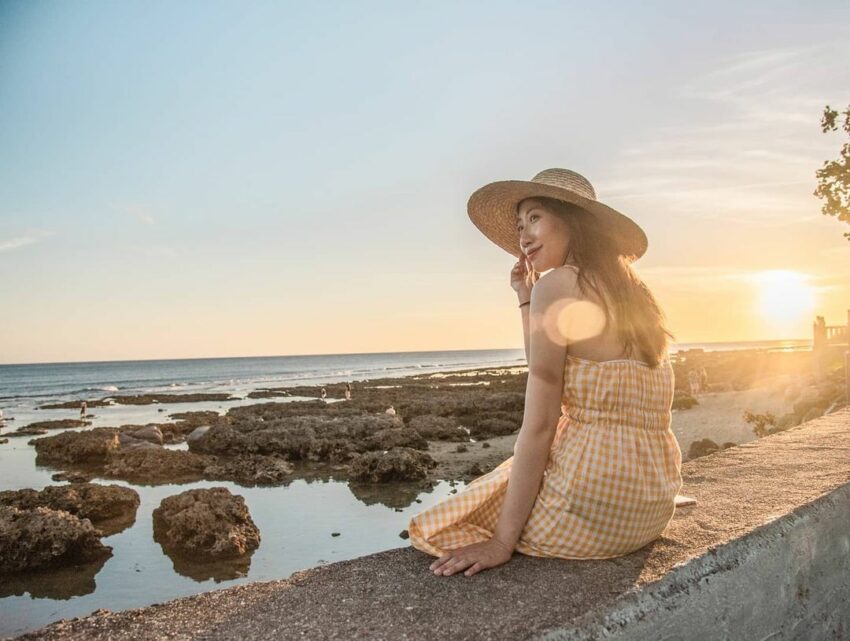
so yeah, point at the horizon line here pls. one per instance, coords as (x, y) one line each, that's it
(429, 351)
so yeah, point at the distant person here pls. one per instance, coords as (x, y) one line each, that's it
(348, 391)
(83, 409)
(324, 393)
(703, 379)
(693, 382)
(570, 490)
(1, 418)
(390, 410)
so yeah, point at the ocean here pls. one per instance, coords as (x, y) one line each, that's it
(24, 386)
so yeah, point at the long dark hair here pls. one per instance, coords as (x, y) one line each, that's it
(626, 300)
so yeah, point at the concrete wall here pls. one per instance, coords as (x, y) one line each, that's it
(789, 579)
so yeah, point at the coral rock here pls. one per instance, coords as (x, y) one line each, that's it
(41, 538)
(206, 522)
(397, 464)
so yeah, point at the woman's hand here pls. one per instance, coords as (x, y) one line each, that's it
(523, 278)
(472, 558)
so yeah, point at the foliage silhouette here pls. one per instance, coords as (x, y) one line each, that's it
(834, 176)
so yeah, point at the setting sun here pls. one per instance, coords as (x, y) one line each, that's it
(784, 296)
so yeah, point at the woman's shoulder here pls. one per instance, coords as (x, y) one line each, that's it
(556, 284)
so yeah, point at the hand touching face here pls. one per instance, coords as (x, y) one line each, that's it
(523, 277)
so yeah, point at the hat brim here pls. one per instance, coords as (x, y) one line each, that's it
(493, 209)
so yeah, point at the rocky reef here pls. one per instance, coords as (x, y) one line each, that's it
(395, 464)
(110, 508)
(258, 444)
(210, 523)
(41, 538)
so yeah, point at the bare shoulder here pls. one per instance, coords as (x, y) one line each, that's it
(557, 284)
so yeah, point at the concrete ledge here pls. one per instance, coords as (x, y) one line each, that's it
(765, 554)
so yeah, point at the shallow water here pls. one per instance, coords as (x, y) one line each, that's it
(115, 415)
(296, 523)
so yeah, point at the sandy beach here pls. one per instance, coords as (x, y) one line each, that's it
(718, 417)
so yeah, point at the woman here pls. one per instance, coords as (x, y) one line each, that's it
(596, 468)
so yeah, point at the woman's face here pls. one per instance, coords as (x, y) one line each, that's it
(543, 235)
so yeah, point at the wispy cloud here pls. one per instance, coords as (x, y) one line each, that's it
(720, 273)
(22, 241)
(841, 253)
(729, 279)
(686, 278)
(750, 153)
(142, 213)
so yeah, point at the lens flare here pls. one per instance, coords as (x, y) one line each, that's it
(577, 320)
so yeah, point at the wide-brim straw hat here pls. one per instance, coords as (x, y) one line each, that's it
(493, 209)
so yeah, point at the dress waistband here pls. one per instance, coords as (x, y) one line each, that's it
(641, 419)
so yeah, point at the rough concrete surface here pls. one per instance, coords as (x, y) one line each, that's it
(778, 501)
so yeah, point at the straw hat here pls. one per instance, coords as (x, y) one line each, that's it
(493, 209)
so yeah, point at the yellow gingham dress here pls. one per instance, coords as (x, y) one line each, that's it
(609, 486)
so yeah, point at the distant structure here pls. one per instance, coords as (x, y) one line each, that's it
(825, 339)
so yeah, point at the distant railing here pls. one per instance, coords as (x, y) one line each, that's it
(826, 338)
(836, 334)
(824, 335)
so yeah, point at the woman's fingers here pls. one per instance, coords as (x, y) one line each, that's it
(471, 559)
(447, 566)
(442, 560)
(456, 565)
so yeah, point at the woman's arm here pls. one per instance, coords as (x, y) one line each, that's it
(548, 319)
(546, 346)
(524, 311)
(523, 278)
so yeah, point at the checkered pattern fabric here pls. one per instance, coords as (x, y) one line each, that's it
(610, 483)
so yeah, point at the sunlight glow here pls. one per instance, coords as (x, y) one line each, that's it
(784, 296)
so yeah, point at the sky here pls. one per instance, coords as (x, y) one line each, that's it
(209, 178)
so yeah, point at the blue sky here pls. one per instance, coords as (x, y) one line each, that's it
(213, 179)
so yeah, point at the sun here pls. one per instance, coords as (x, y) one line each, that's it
(784, 297)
